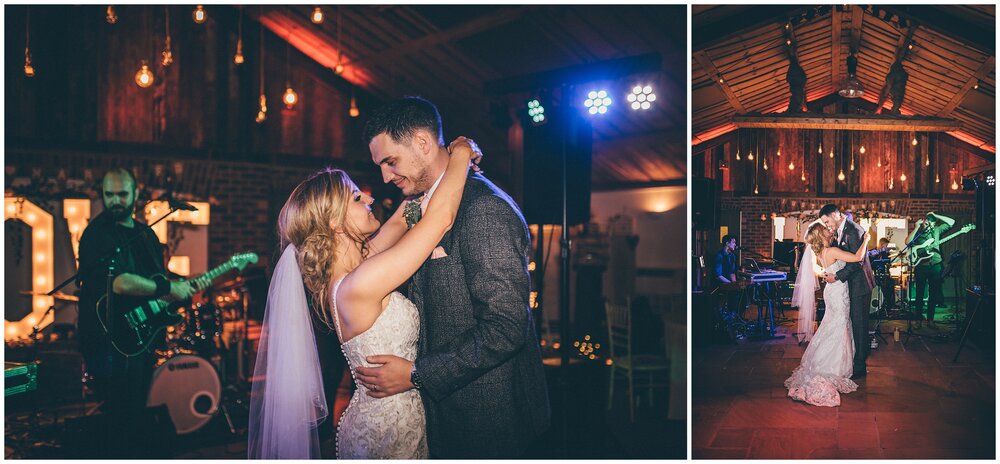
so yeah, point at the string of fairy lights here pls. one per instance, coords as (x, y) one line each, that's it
(145, 77)
(890, 161)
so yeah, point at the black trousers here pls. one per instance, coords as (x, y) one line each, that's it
(861, 297)
(924, 275)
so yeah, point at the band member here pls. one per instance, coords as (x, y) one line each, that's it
(925, 240)
(880, 265)
(123, 381)
(725, 261)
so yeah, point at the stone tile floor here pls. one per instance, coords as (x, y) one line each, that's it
(914, 403)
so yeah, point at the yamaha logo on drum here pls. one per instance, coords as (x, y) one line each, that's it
(182, 366)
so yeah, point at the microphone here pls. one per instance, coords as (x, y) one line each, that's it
(737, 248)
(180, 205)
(177, 204)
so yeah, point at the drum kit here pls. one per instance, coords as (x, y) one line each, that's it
(192, 367)
(197, 359)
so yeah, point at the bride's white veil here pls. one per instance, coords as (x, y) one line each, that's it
(287, 401)
(804, 294)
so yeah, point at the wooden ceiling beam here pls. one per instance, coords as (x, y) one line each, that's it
(476, 26)
(956, 100)
(706, 63)
(848, 122)
(836, 22)
(857, 21)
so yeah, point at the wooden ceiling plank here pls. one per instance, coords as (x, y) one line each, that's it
(702, 58)
(470, 28)
(980, 74)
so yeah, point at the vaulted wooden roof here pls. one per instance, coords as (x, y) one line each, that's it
(739, 61)
(446, 53)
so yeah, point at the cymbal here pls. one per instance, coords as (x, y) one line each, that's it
(57, 295)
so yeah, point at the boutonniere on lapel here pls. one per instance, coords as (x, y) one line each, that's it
(411, 212)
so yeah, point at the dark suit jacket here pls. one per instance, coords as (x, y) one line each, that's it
(859, 276)
(479, 361)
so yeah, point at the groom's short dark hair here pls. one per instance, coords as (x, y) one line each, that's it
(400, 118)
(827, 209)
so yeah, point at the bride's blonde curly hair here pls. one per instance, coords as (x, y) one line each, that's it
(304, 221)
(814, 237)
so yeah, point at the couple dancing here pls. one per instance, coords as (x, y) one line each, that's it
(835, 251)
(451, 370)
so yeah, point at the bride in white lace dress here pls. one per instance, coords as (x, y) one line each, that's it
(826, 368)
(330, 243)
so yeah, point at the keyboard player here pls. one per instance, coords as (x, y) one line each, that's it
(725, 262)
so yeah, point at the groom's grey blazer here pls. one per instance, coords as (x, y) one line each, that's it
(479, 363)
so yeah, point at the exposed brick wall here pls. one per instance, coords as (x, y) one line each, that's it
(245, 197)
(757, 234)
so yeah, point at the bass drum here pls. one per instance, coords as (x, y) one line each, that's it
(190, 388)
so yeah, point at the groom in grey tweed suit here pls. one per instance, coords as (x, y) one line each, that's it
(478, 367)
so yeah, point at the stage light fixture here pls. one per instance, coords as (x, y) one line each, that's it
(536, 111)
(597, 102)
(641, 97)
(199, 14)
(317, 16)
(991, 180)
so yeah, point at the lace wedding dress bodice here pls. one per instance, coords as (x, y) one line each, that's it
(383, 428)
(827, 364)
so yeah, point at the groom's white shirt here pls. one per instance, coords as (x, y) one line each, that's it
(427, 197)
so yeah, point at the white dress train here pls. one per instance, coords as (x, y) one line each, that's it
(827, 365)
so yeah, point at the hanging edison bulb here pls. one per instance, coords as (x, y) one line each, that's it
(852, 164)
(262, 112)
(927, 160)
(199, 14)
(914, 142)
(937, 178)
(755, 190)
(841, 176)
(803, 175)
(779, 153)
(290, 97)
(29, 70)
(354, 111)
(879, 161)
(902, 177)
(110, 15)
(954, 184)
(167, 57)
(737, 155)
(862, 150)
(144, 77)
(317, 15)
(238, 58)
(339, 69)
(820, 151)
(890, 183)
(750, 156)
(765, 163)
(831, 152)
(791, 165)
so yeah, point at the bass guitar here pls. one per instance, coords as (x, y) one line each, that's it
(924, 251)
(137, 324)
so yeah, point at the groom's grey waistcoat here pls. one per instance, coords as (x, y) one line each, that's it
(479, 361)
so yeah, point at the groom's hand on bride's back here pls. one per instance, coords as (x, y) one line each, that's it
(390, 377)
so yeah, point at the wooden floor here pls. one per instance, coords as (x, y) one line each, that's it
(914, 403)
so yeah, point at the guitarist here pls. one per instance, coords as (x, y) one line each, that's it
(124, 382)
(924, 239)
